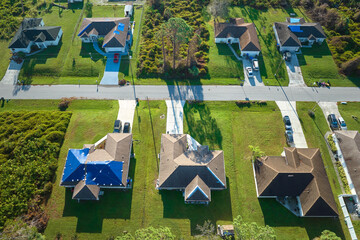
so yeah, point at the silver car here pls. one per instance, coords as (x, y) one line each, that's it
(249, 71)
(342, 124)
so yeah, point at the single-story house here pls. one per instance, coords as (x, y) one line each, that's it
(128, 10)
(296, 33)
(349, 142)
(116, 32)
(195, 171)
(33, 31)
(237, 31)
(92, 168)
(299, 175)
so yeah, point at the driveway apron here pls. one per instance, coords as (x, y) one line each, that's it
(328, 108)
(111, 72)
(294, 71)
(289, 109)
(126, 112)
(256, 79)
(175, 116)
(12, 73)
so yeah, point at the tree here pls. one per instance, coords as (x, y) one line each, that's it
(192, 47)
(256, 153)
(327, 235)
(207, 231)
(161, 35)
(219, 8)
(178, 31)
(252, 231)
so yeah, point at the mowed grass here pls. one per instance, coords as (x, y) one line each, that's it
(221, 125)
(73, 62)
(347, 112)
(317, 64)
(270, 60)
(314, 130)
(5, 58)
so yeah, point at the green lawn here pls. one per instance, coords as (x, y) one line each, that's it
(221, 125)
(73, 62)
(4, 60)
(271, 58)
(314, 130)
(349, 110)
(317, 64)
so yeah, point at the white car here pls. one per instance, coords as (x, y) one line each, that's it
(342, 124)
(249, 71)
(255, 64)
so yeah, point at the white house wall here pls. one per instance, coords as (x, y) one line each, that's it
(250, 53)
(225, 40)
(113, 49)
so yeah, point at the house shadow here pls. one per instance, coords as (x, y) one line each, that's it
(88, 51)
(203, 128)
(218, 209)
(114, 204)
(275, 215)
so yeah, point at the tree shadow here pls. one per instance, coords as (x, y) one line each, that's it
(275, 215)
(114, 204)
(201, 126)
(218, 209)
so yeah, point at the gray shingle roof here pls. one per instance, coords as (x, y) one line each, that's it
(289, 33)
(83, 191)
(197, 190)
(30, 30)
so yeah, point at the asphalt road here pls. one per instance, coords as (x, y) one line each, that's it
(197, 92)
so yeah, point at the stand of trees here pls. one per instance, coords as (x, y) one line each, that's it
(29, 148)
(174, 40)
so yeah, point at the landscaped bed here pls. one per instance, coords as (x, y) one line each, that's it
(221, 125)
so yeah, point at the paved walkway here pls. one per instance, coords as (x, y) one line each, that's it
(197, 92)
(234, 52)
(126, 112)
(254, 81)
(12, 73)
(175, 116)
(294, 71)
(289, 109)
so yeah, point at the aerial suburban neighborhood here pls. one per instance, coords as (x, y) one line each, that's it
(187, 119)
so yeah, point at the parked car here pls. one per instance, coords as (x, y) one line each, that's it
(289, 137)
(333, 122)
(249, 71)
(255, 64)
(342, 124)
(287, 123)
(126, 127)
(287, 56)
(117, 126)
(116, 58)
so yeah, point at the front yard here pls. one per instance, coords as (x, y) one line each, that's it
(221, 125)
(72, 62)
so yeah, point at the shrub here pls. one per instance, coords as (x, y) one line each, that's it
(311, 114)
(122, 82)
(64, 104)
(56, 137)
(331, 143)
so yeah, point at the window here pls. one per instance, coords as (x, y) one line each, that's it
(290, 175)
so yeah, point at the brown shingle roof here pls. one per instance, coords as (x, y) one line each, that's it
(106, 27)
(197, 190)
(83, 191)
(237, 28)
(349, 142)
(300, 173)
(179, 165)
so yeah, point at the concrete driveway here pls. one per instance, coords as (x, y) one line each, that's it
(175, 116)
(12, 73)
(328, 108)
(253, 81)
(111, 73)
(126, 112)
(289, 109)
(294, 71)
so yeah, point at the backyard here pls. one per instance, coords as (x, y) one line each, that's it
(72, 62)
(221, 125)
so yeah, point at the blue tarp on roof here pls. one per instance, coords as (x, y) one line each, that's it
(121, 27)
(75, 165)
(294, 20)
(107, 173)
(295, 28)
